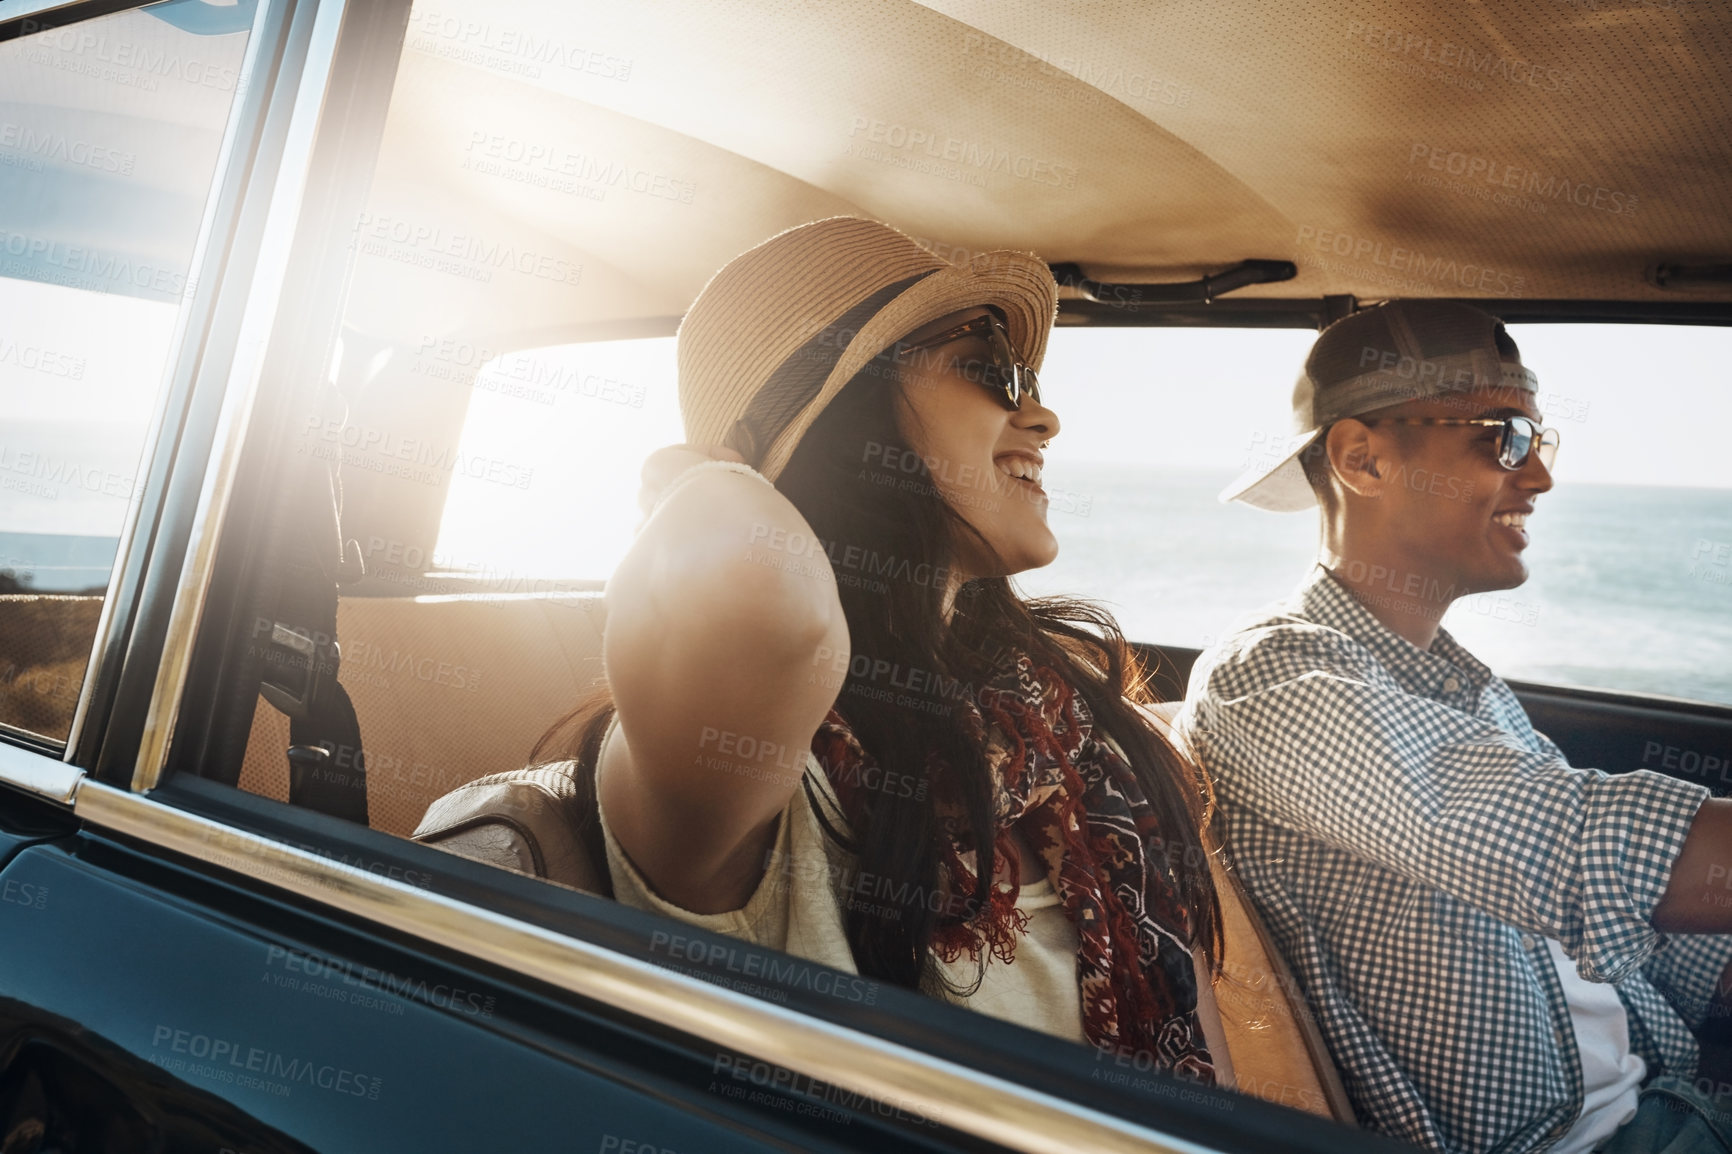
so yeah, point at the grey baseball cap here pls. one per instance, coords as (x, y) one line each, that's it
(1401, 351)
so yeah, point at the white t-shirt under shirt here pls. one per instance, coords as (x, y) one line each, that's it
(1611, 1072)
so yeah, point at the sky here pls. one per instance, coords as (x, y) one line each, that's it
(1208, 398)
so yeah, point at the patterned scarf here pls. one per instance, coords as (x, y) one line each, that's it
(1083, 811)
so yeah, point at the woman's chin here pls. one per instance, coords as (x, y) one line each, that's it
(1026, 550)
(1035, 554)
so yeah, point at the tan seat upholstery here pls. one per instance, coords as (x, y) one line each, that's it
(1278, 1052)
(447, 689)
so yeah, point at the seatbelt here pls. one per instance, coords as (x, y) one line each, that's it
(327, 767)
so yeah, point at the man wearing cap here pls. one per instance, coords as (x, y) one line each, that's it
(1503, 951)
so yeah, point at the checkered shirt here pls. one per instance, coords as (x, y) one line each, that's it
(1411, 841)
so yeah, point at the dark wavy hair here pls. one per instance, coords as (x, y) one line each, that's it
(859, 484)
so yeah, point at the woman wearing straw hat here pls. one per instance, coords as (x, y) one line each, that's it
(830, 725)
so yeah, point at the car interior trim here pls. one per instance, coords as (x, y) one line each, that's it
(958, 1098)
(39, 774)
(272, 265)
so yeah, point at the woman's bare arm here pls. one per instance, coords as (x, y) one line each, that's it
(723, 644)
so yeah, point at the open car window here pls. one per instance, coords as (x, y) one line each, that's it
(110, 132)
(438, 493)
(1629, 563)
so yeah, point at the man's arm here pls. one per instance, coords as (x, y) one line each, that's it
(1303, 727)
(1698, 897)
(1694, 970)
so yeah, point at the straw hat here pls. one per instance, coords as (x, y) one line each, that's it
(782, 327)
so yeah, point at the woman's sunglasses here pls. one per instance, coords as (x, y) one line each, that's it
(1519, 439)
(1007, 377)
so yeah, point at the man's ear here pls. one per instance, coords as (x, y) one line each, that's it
(1352, 460)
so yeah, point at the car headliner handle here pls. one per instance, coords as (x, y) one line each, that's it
(1246, 272)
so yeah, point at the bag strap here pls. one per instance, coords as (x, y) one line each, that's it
(550, 808)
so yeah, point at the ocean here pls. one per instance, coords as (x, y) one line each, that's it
(1630, 586)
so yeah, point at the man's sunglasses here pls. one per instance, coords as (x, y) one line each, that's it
(1006, 376)
(1519, 439)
